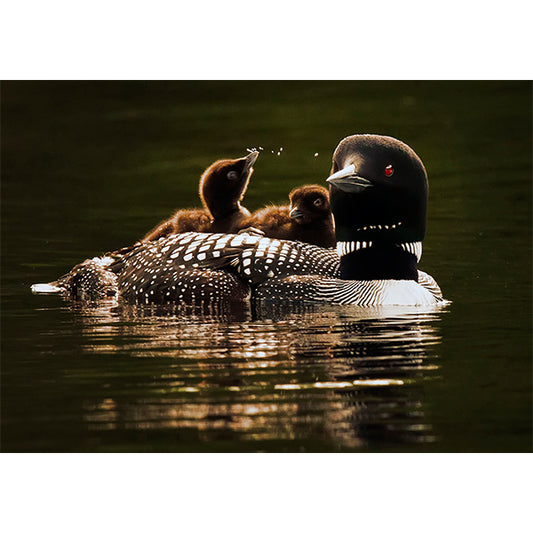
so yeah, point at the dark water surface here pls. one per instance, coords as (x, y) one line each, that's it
(90, 167)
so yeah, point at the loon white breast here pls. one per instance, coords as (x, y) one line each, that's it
(378, 194)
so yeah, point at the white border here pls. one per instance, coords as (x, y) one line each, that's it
(110, 39)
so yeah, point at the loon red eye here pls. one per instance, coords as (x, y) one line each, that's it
(389, 171)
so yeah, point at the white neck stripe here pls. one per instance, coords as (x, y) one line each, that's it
(347, 247)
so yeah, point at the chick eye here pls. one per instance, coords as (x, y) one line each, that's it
(389, 171)
(317, 202)
(232, 175)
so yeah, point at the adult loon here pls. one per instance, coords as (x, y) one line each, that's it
(308, 218)
(378, 194)
(222, 188)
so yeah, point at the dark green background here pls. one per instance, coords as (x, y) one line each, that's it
(88, 167)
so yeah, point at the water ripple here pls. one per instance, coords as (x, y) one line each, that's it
(333, 377)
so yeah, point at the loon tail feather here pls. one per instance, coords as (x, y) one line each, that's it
(46, 288)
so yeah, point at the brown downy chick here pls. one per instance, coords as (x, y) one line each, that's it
(222, 188)
(307, 219)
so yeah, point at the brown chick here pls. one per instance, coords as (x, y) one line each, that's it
(222, 188)
(307, 219)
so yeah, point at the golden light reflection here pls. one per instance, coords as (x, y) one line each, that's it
(349, 378)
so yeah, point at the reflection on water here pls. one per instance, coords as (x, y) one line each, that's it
(332, 377)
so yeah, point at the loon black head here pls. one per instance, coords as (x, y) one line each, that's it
(309, 203)
(378, 195)
(224, 183)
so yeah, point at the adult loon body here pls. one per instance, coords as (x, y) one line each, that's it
(308, 218)
(378, 194)
(194, 267)
(222, 188)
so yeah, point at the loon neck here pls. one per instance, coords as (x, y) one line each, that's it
(366, 260)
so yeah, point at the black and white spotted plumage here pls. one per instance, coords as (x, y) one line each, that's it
(187, 267)
(91, 280)
(199, 266)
